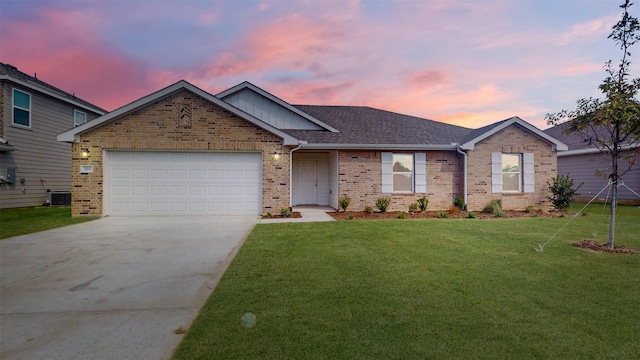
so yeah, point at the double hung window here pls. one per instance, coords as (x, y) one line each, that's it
(21, 108)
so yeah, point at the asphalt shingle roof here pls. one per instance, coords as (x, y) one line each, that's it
(578, 141)
(365, 125)
(12, 71)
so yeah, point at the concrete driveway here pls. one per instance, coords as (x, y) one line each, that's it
(113, 288)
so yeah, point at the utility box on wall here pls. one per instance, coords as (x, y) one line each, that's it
(11, 175)
(59, 198)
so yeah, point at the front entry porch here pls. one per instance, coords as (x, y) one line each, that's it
(315, 178)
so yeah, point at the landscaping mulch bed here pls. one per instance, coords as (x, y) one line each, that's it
(596, 246)
(362, 215)
(294, 215)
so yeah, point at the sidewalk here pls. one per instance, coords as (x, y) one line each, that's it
(309, 214)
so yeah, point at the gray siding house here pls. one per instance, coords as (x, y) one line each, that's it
(585, 164)
(33, 164)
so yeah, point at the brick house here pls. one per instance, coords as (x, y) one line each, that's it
(183, 151)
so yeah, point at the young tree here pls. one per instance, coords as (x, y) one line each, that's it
(612, 123)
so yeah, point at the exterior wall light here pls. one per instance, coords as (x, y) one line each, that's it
(85, 152)
(276, 156)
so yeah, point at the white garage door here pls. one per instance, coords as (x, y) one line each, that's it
(183, 183)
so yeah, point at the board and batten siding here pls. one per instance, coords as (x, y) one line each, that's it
(582, 169)
(37, 155)
(268, 111)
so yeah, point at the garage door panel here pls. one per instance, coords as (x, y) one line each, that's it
(196, 190)
(178, 190)
(158, 190)
(196, 174)
(139, 190)
(139, 174)
(164, 183)
(252, 191)
(177, 174)
(158, 174)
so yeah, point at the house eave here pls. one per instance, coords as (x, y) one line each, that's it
(409, 147)
(592, 151)
(50, 93)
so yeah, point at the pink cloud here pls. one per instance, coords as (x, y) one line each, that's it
(77, 61)
(290, 42)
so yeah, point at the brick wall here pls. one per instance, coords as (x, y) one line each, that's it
(360, 177)
(513, 139)
(161, 126)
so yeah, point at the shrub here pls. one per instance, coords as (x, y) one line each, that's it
(423, 202)
(459, 202)
(454, 210)
(530, 208)
(401, 215)
(368, 209)
(351, 217)
(494, 207)
(443, 214)
(471, 215)
(269, 215)
(344, 201)
(286, 212)
(383, 203)
(562, 191)
(413, 207)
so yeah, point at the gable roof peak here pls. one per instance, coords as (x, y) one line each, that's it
(72, 135)
(247, 85)
(484, 132)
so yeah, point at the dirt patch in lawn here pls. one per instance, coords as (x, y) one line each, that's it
(362, 215)
(596, 246)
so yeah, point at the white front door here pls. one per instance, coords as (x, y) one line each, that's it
(307, 182)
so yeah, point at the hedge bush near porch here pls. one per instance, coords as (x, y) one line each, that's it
(418, 289)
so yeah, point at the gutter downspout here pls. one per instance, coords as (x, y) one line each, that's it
(300, 143)
(464, 154)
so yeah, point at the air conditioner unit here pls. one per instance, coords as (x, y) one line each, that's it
(59, 198)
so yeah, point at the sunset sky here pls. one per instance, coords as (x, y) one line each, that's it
(469, 63)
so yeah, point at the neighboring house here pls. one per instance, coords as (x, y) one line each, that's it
(32, 161)
(184, 151)
(587, 165)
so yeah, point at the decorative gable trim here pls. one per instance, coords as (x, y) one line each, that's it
(275, 99)
(557, 145)
(73, 134)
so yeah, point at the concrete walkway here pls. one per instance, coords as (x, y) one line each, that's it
(309, 214)
(113, 288)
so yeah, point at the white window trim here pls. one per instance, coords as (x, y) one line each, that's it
(527, 174)
(519, 189)
(419, 173)
(75, 112)
(14, 106)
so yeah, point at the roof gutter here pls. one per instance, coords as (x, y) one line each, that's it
(593, 150)
(320, 146)
(464, 155)
(300, 143)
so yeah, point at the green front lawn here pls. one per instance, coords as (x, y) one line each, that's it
(427, 289)
(14, 222)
